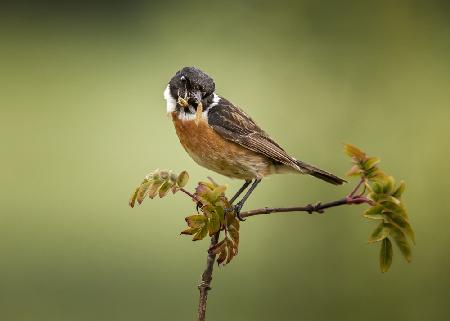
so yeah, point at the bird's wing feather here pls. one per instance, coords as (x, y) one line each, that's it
(233, 124)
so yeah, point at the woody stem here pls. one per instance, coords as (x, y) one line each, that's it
(205, 284)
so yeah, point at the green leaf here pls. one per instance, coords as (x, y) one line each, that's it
(200, 235)
(373, 196)
(402, 243)
(370, 163)
(401, 222)
(399, 191)
(132, 200)
(376, 187)
(218, 208)
(396, 218)
(374, 216)
(354, 151)
(214, 223)
(164, 189)
(377, 209)
(203, 200)
(385, 255)
(190, 230)
(196, 220)
(380, 233)
(183, 179)
(374, 174)
(388, 185)
(410, 232)
(216, 192)
(395, 207)
(143, 191)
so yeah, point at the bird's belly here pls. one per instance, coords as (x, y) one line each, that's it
(214, 152)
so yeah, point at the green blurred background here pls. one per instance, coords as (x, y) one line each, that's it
(82, 120)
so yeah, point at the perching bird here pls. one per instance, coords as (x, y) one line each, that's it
(223, 138)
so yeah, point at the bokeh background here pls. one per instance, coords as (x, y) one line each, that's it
(82, 120)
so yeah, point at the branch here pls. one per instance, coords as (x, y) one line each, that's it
(318, 208)
(205, 284)
(193, 196)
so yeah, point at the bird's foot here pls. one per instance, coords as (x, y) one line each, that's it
(237, 210)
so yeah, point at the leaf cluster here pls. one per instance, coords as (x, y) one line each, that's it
(387, 206)
(214, 216)
(158, 183)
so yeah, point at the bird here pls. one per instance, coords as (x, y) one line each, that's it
(221, 137)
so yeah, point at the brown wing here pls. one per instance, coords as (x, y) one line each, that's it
(233, 124)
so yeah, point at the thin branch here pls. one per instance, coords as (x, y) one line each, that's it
(193, 196)
(318, 208)
(205, 284)
(361, 181)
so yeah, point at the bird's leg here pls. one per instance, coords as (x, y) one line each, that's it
(239, 192)
(238, 206)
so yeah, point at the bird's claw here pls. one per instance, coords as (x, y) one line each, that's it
(237, 210)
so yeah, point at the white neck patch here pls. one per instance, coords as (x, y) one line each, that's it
(170, 101)
(216, 100)
(183, 115)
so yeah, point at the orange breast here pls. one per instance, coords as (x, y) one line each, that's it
(216, 153)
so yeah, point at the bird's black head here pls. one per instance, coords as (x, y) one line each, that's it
(190, 85)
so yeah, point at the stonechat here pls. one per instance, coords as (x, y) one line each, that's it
(222, 137)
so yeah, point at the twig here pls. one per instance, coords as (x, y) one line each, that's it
(193, 196)
(362, 181)
(318, 208)
(205, 284)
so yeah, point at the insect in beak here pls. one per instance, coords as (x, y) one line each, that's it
(182, 102)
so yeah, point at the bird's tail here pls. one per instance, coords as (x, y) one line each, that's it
(320, 173)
